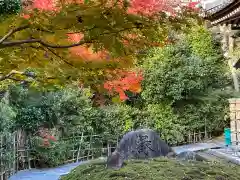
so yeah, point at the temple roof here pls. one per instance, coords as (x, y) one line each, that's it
(213, 6)
(221, 11)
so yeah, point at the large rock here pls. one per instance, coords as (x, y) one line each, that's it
(140, 144)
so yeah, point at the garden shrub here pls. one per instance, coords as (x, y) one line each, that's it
(175, 75)
(51, 154)
(162, 119)
(119, 119)
(7, 116)
(34, 108)
(66, 113)
(10, 6)
(63, 108)
(189, 79)
(74, 108)
(202, 43)
(212, 115)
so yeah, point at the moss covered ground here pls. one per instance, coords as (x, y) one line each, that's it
(157, 169)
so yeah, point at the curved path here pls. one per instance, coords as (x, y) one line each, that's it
(44, 174)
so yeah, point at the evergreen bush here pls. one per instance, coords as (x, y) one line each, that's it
(10, 6)
(191, 79)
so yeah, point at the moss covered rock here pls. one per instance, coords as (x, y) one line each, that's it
(157, 169)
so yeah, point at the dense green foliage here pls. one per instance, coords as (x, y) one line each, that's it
(184, 90)
(57, 153)
(105, 28)
(202, 43)
(36, 108)
(10, 6)
(162, 119)
(7, 116)
(157, 169)
(192, 79)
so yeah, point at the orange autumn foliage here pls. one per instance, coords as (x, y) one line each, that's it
(84, 52)
(125, 80)
(128, 81)
(143, 7)
(46, 138)
(150, 7)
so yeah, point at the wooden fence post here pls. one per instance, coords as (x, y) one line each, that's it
(108, 149)
(79, 148)
(199, 136)
(90, 145)
(189, 137)
(17, 163)
(14, 152)
(194, 137)
(28, 149)
(1, 157)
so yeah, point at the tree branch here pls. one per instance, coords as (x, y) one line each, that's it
(13, 72)
(28, 41)
(70, 64)
(16, 43)
(8, 76)
(11, 32)
(45, 49)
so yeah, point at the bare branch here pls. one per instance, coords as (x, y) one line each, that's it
(11, 32)
(8, 76)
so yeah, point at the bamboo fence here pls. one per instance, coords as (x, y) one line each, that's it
(16, 153)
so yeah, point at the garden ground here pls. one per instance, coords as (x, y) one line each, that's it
(55, 173)
(157, 169)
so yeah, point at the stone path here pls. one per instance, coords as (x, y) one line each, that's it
(228, 154)
(44, 174)
(55, 173)
(197, 147)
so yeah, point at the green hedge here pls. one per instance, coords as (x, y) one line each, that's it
(183, 90)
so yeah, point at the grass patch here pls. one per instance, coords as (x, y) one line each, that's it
(157, 169)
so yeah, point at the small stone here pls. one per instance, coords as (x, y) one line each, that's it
(189, 156)
(220, 178)
(186, 178)
(115, 161)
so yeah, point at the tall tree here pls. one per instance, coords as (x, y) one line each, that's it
(84, 41)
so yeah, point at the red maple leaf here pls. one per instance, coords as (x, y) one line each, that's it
(84, 52)
(151, 7)
(128, 81)
(45, 5)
